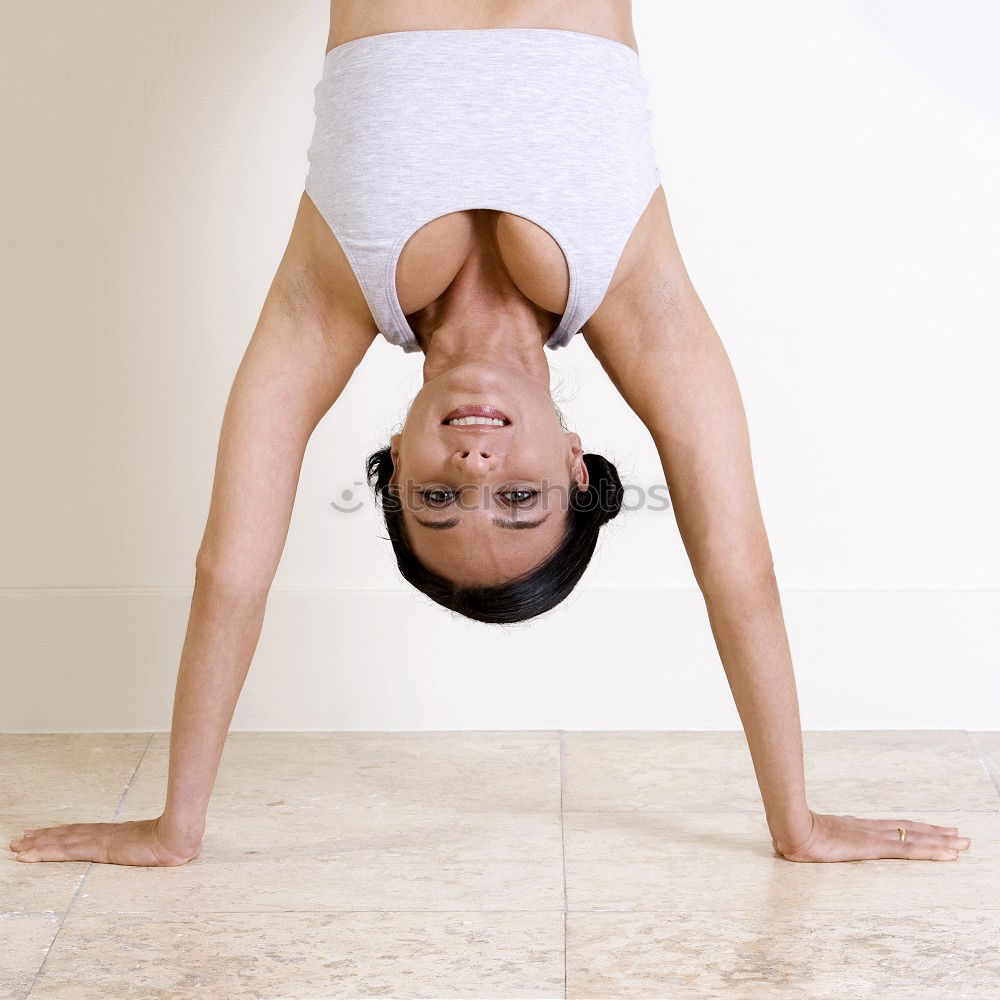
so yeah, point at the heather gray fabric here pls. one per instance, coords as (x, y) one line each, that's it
(548, 124)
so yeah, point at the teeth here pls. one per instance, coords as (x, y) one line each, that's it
(471, 421)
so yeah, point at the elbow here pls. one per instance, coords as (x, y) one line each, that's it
(737, 576)
(232, 577)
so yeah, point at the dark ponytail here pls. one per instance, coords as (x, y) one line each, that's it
(606, 492)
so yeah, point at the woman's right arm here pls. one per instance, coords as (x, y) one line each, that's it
(304, 349)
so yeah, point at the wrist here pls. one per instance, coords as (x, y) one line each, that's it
(791, 829)
(181, 833)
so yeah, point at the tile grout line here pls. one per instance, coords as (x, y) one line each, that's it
(86, 872)
(185, 915)
(562, 839)
(325, 912)
(985, 760)
(131, 778)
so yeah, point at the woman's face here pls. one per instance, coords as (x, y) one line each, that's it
(483, 468)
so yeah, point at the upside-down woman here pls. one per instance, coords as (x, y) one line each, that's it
(482, 186)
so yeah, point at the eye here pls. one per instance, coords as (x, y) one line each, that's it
(519, 497)
(437, 496)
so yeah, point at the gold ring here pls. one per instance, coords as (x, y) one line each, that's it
(902, 834)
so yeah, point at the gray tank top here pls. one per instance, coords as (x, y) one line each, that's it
(547, 124)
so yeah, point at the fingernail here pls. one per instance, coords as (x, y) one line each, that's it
(27, 833)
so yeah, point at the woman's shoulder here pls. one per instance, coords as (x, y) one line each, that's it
(317, 278)
(647, 281)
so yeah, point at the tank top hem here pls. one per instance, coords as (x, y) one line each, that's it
(403, 335)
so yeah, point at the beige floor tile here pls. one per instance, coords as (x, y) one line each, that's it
(349, 821)
(990, 739)
(685, 861)
(331, 772)
(987, 746)
(371, 882)
(896, 771)
(26, 938)
(368, 859)
(466, 828)
(852, 772)
(305, 956)
(50, 779)
(759, 954)
(47, 776)
(308, 815)
(619, 771)
(37, 887)
(305, 829)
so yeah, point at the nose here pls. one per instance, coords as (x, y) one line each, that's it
(475, 460)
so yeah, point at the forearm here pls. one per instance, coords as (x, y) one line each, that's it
(305, 347)
(747, 623)
(222, 634)
(658, 345)
(301, 356)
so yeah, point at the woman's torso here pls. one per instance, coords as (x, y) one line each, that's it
(434, 254)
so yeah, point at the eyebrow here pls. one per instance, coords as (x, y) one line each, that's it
(498, 521)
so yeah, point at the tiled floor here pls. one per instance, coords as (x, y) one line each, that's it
(484, 865)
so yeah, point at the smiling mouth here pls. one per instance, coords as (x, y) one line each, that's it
(476, 416)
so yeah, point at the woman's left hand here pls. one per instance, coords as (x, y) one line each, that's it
(850, 838)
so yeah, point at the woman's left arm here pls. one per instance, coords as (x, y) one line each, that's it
(657, 344)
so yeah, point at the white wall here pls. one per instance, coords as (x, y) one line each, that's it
(831, 169)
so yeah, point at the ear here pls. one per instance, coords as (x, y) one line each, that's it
(578, 467)
(394, 452)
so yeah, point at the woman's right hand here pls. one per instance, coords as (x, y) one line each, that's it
(146, 843)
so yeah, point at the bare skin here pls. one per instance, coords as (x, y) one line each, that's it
(483, 340)
(314, 330)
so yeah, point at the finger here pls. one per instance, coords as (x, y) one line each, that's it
(41, 854)
(33, 836)
(44, 839)
(59, 834)
(930, 839)
(70, 828)
(915, 849)
(68, 851)
(909, 824)
(37, 841)
(42, 831)
(29, 837)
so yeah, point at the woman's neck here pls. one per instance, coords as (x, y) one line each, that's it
(484, 318)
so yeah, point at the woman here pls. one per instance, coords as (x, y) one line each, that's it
(483, 484)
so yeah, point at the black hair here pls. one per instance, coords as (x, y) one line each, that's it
(531, 594)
